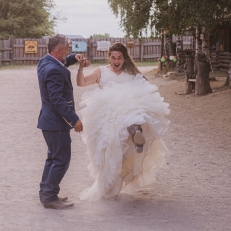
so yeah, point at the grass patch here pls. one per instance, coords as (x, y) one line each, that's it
(154, 63)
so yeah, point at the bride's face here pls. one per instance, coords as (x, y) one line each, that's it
(116, 60)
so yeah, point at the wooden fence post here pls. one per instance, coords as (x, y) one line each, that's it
(141, 50)
(1, 46)
(90, 49)
(11, 46)
(162, 50)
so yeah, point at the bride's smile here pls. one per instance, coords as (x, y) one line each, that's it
(116, 61)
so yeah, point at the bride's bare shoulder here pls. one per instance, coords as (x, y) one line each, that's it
(104, 67)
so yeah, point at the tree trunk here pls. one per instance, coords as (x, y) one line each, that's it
(180, 55)
(206, 50)
(179, 43)
(228, 79)
(205, 42)
(166, 50)
(202, 69)
(162, 50)
(168, 47)
(189, 73)
(198, 42)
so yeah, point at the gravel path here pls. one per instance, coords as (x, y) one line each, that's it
(191, 194)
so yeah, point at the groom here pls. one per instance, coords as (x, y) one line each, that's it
(57, 117)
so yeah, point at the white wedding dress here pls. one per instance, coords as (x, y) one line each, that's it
(121, 101)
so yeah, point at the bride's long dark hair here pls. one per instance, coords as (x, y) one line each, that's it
(129, 66)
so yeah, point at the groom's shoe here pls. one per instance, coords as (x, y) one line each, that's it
(57, 205)
(63, 199)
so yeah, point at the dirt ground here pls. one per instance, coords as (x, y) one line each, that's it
(191, 194)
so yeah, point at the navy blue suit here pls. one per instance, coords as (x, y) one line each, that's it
(56, 118)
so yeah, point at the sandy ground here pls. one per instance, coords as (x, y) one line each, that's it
(192, 194)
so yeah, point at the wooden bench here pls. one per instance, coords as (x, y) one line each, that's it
(190, 86)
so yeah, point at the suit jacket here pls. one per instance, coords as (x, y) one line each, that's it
(58, 106)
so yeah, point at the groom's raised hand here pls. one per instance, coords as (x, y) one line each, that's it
(78, 126)
(83, 60)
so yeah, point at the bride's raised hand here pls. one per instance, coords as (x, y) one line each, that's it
(80, 59)
(87, 63)
(78, 56)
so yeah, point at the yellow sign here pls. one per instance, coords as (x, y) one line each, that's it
(31, 47)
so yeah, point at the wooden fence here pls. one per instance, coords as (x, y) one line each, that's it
(12, 50)
(221, 60)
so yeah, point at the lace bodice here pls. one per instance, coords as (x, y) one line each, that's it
(107, 76)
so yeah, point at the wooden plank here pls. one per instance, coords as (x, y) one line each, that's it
(22, 45)
(141, 51)
(224, 61)
(6, 54)
(224, 53)
(26, 58)
(6, 60)
(224, 57)
(223, 65)
(225, 70)
(151, 56)
(192, 80)
(5, 49)
(151, 43)
(187, 43)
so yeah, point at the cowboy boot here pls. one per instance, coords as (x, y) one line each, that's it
(135, 132)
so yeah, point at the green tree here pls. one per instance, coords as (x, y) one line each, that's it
(27, 19)
(174, 16)
(105, 35)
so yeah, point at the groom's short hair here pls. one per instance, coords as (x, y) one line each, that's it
(55, 40)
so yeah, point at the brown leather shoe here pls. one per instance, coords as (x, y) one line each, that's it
(63, 199)
(57, 205)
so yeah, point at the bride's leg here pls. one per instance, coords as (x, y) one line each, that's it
(135, 132)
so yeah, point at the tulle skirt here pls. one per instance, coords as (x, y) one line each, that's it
(114, 163)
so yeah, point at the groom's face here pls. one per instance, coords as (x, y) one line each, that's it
(64, 50)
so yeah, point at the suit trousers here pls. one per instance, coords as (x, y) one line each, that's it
(56, 164)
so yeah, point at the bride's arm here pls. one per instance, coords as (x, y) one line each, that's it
(89, 79)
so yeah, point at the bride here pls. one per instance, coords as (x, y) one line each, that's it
(124, 120)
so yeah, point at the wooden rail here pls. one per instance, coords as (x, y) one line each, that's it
(221, 60)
